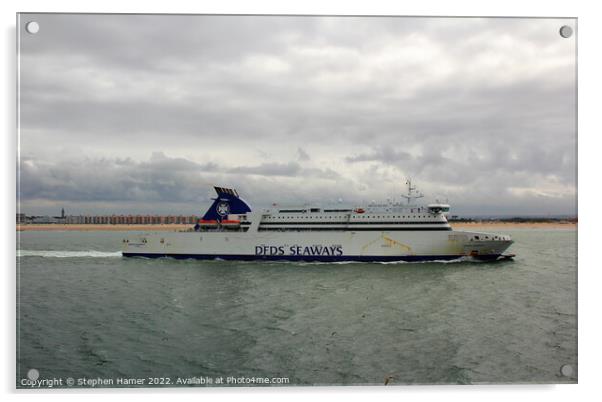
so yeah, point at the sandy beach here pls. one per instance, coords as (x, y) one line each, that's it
(178, 227)
(512, 225)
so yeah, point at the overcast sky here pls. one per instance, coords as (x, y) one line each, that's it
(127, 114)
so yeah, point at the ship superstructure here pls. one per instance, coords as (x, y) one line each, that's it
(392, 231)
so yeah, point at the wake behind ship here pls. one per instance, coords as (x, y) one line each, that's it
(395, 231)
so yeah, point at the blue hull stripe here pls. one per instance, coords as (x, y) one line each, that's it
(319, 258)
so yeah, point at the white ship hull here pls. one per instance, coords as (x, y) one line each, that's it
(229, 230)
(415, 245)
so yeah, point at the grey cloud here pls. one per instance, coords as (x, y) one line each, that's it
(472, 163)
(290, 169)
(384, 154)
(159, 180)
(302, 155)
(269, 169)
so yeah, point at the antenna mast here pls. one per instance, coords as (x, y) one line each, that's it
(412, 193)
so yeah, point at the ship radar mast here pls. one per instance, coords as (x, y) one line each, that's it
(412, 193)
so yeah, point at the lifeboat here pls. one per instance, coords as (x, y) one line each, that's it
(231, 223)
(359, 210)
(208, 223)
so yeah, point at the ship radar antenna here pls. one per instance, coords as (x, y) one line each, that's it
(412, 193)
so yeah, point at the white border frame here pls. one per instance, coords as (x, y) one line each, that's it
(589, 68)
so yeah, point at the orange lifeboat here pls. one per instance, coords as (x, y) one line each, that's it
(230, 223)
(359, 210)
(208, 223)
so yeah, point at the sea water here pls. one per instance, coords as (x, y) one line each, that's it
(85, 312)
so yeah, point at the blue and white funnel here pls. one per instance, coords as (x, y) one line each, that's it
(227, 202)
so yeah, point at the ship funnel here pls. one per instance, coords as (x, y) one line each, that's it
(227, 202)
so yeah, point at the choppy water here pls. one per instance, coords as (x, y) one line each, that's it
(84, 311)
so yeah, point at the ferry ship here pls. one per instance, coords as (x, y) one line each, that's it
(398, 230)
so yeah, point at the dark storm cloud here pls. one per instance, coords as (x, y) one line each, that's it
(322, 107)
(160, 179)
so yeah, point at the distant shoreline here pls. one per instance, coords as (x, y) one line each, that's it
(513, 225)
(170, 227)
(179, 227)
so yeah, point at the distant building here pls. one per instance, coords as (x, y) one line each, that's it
(21, 218)
(44, 219)
(109, 219)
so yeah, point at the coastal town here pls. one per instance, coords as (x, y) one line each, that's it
(63, 219)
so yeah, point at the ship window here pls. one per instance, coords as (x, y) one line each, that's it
(476, 237)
